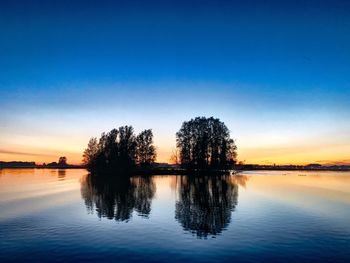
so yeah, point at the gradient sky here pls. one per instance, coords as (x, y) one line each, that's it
(276, 72)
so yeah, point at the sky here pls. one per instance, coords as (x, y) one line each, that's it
(277, 73)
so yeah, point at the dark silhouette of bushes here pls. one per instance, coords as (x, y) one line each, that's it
(204, 144)
(120, 150)
(17, 164)
(62, 163)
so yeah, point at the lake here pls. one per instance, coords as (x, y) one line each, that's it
(258, 216)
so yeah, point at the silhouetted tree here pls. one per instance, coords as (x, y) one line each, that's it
(116, 150)
(62, 161)
(145, 151)
(117, 198)
(90, 153)
(205, 144)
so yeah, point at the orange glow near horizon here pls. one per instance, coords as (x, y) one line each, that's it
(336, 154)
(73, 158)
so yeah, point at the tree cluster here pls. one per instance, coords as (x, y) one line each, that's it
(62, 162)
(120, 150)
(205, 144)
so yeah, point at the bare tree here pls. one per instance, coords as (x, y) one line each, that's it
(174, 158)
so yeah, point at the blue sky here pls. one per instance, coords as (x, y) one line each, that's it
(276, 72)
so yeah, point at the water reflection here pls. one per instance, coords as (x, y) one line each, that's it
(205, 203)
(276, 218)
(203, 207)
(118, 198)
(61, 174)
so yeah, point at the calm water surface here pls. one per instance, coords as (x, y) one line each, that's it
(67, 215)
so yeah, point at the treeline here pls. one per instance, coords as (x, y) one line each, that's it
(203, 144)
(16, 164)
(62, 163)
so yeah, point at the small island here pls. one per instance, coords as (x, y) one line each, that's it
(203, 146)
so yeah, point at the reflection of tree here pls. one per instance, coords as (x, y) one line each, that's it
(206, 202)
(143, 195)
(118, 198)
(61, 174)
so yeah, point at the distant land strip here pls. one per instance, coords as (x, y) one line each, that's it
(163, 168)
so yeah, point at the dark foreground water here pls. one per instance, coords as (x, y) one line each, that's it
(66, 215)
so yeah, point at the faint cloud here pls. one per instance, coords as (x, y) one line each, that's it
(26, 153)
(332, 162)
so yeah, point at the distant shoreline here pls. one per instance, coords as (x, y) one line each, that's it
(173, 171)
(298, 169)
(44, 167)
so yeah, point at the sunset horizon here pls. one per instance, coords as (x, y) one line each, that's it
(278, 155)
(276, 75)
(175, 131)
